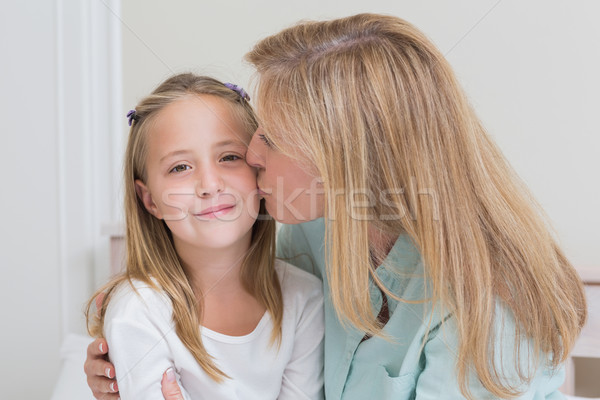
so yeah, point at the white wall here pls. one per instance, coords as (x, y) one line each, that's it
(58, 161)
(529, 67)
(29, 255)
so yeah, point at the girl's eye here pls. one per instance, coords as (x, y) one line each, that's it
(231, 157)
(265, 140)
(180, 168)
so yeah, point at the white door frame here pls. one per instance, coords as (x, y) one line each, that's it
(91, 128)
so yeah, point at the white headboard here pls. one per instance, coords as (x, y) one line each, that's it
(588, 344)
(116, 233)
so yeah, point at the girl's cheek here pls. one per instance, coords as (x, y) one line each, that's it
(250, 176)
(178, 193)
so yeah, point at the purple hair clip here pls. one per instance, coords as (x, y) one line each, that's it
(239, 90)
(132, 116)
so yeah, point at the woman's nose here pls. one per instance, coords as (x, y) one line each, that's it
(255, 155)
(209, 183)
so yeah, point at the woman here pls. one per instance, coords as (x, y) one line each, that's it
(441, 277)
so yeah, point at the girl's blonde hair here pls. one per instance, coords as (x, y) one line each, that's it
(150, 249)
(371, 102)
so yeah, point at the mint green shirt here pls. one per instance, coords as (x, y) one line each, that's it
(377, 369)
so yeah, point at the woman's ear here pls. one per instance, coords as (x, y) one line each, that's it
(146, 197)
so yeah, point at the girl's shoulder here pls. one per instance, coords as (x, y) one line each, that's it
(298, 287)
(296, 278)
(135, 297)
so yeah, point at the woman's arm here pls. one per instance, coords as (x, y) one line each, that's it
(438, 380)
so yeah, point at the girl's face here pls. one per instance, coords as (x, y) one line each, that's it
(197, 177)
(292, 192)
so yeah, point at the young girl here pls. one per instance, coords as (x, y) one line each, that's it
(202, 293)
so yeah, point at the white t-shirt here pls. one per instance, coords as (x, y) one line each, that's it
(143, 344)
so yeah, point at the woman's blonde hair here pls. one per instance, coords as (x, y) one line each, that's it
(371, 102)
(150, 249)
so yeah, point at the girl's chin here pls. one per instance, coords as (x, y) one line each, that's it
(218, 238)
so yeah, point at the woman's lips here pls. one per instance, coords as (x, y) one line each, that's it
(262, 192)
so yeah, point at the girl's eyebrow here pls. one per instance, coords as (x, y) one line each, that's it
(174, 153)
(230, 142)
(222, 143)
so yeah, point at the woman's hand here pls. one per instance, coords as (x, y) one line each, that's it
(170, 388)
(100, 373)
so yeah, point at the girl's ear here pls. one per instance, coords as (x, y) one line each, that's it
(146, 197)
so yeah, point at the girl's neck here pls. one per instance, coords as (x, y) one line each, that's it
(225, 305)
(211, 269)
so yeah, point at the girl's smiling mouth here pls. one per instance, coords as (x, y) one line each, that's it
(215, 212)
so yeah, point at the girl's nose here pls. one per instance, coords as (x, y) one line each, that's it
(209, 184)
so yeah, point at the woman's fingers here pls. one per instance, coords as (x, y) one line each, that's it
(100, 373)
(96, 364)
(106, 396)
(97, 349)
(170, 388)
(103, 387)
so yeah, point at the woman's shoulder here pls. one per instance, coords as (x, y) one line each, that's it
(304, 236)
(302, 245)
